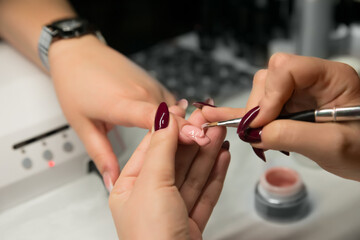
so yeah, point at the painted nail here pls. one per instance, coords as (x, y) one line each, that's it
(286, 153)
(195, 134)
(226, 145)
(183, 103)
(260, 153)
(200, 105)
(247, 119)
(162, 117)
(107, 182)
(251, 135)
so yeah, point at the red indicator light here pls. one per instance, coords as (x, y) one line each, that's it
(51, 163)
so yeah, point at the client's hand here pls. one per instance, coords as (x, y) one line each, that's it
(167, 190)
(295, 83)
(98, 88)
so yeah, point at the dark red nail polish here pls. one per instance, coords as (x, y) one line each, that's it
(200, 105)
(251, 135)
(162, 117)
(247, 119)
(260, 153)
(226, 145)
(286, 153)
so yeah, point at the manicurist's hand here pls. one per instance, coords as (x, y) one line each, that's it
(295, 83)
(168, 190)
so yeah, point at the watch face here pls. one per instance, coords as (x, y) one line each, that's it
(69, 25)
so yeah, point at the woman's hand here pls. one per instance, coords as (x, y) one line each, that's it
(168, 190)
(98, 88)
(295, 83)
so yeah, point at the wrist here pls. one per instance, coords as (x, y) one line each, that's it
(68, 48)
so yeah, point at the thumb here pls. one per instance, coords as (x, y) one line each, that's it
(159, 163)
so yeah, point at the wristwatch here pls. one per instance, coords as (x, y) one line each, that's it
(63, 29)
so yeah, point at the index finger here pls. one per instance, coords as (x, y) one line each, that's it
(288, 73)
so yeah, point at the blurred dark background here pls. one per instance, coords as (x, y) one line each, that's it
(143, 30)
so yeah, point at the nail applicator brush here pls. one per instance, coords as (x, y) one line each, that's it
(322, 115)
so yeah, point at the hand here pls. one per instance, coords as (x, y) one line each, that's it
(167, 190)
(294, 83)
(98, 88)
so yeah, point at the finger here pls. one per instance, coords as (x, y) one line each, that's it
(128, 175)
(186, 153)
(201, 167)
(99, 148)
(211, 192)
(169, 97)
(288, 74)
(221, 113)
(309, 139)
(131, 113)
(142, 114)
(159, 167)
(183, 160)
(179, 108)
(258, 89)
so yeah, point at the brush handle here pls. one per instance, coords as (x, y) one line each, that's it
(305, 116)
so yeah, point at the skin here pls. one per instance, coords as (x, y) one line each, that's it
(180, 184)
(294, 83)
(97, 87)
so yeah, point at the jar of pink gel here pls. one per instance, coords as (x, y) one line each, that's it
(280, 195)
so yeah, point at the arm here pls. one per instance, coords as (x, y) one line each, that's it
(21, 22)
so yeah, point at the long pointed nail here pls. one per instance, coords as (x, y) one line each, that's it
(162, 117)
(247, 119)
(260, 153)
(195, 134)
(200, 105)
(183, 103)
(226, 145)
(251, 135)
(107, 182)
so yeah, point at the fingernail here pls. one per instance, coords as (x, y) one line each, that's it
(200, 105)
(107, 182)
(247, 119)
(260, 153)
(251, 135)
(195, 134)
(226, 145)
(286, 153)
(161, 117)
(210, 101)
(183, 103)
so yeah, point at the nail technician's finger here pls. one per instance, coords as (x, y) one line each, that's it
(159, 166)
(211, 192)
(286, 73)
(310, 139)
(99, 148)
(258, 89)
(184, 158)
(132, 168)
